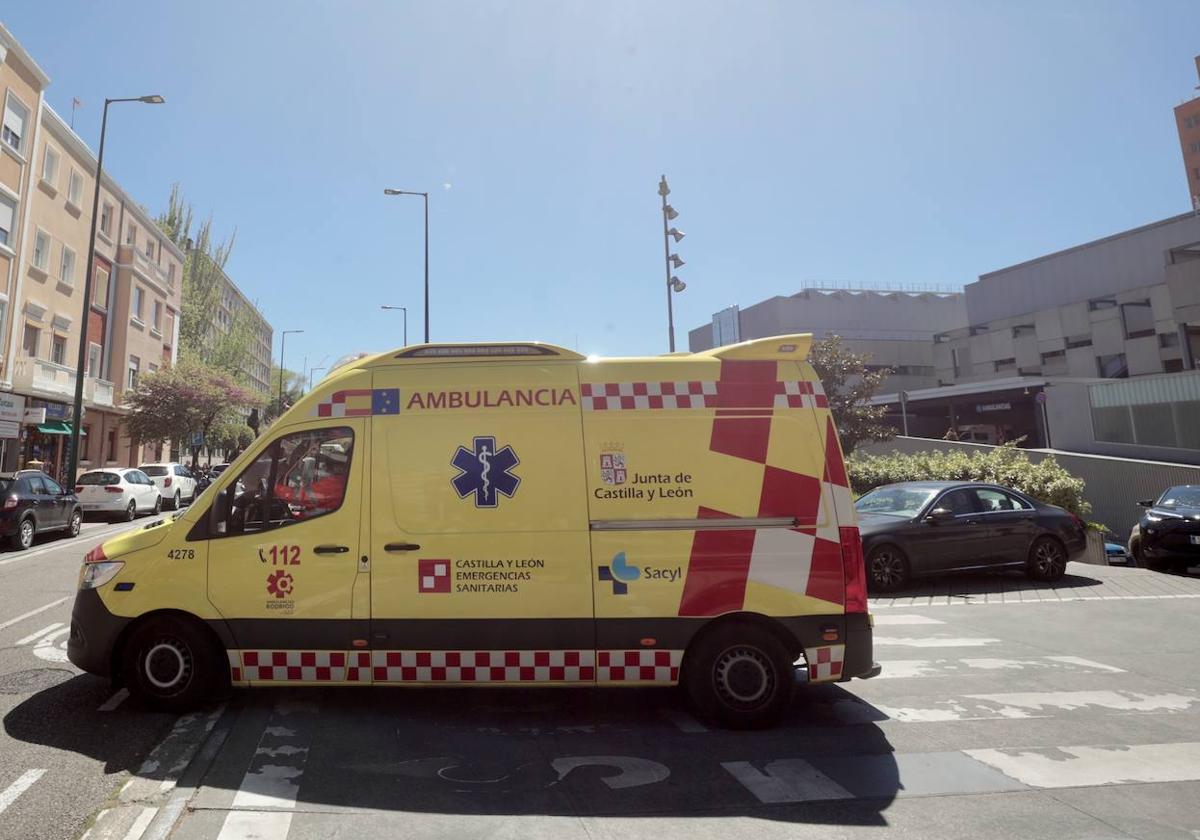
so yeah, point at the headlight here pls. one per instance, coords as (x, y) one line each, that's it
(1158, 517)
(96, 575)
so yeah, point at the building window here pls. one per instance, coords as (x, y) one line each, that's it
(1168, 340)
(75, 189)
(85, 440)
(58, 350)
(150, 248)
(139, 300)
(130, 235)
(171, 275)
(134, 364)
(1053, 354)
(1001, 365)
(152, 368)
(93, 361)
(16, 116)
(31, 340)
(157, 322)
(1172, 365)
(8, 211)
(100, 288)
(1101, 303)
(66, 268)
(41, 250)
(50, 166)
(1079, 341)
(1138, 318)
(112, 445)
(1112, 367)
(106, 216)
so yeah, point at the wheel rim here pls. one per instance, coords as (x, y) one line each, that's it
(744, 678)
(26, 533)
(76, 523)
(887, 568)
(131, 511)
(167, 665)
(1048, 559)
(178, 498)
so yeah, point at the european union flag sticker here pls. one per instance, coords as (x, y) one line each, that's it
(385, 401)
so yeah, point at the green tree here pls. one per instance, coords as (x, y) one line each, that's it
(294, 387)
(850, 385)
(189, 397)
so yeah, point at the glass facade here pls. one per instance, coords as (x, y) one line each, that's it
(1149, 411)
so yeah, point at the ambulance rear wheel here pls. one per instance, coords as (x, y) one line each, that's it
(741, 676)
(172, 664)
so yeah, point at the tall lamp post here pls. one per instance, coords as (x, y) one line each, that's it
(674, 284)
(403, 309)
(81, 366)
(282, 342)
(425, 196)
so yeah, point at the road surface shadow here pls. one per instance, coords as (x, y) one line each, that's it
(512, 752)
(976, 586)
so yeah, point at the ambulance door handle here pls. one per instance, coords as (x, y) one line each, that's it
(331, 549)
(402, 547)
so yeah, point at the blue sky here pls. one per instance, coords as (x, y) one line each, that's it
(872, 142)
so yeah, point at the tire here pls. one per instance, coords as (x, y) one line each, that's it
(175, 502)
(1047, 560)
(131, 511)
(23, 538)
(887, 569)
(74, 524)
(172, 664)
(740, 676)
(1136, 557)
(154, 511)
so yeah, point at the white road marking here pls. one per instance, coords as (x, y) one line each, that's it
(33, 637)
(23, 783)
(161, 769)
(935, 641)
(50, 649)
(684, 721)
(116, 700)
(905, 620)
(1062, 767)
(908, 668)
(631, 770)
(1061, 598)
(1085, 663)
(140, 824)
(85, 535)
(786, 780)
(1017, 705)
(32, 613)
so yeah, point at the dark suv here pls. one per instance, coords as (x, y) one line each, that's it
(34, 503)
(1168, 534)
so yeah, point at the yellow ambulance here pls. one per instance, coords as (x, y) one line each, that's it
(508, 514)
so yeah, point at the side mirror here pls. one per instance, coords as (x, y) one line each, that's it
(939, 515)
(1145, 503)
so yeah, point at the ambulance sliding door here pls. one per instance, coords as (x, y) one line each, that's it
(480, 530)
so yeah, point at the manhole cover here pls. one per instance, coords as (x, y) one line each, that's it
(38, 679)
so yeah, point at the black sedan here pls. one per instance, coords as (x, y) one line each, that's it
(925, 528)
(33, 503)
(1168, 534)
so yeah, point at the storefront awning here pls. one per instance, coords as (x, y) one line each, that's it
(58, 427)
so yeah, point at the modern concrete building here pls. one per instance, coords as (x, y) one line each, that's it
(895, 328)
(1187, 120)
(233, 304)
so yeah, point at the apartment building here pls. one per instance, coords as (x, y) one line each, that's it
(895, 328)
(1187, 121)
(232, 305)
(131, 325)
(22, 84)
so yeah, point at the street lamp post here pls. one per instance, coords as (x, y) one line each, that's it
(674, 284)
(310, 375)
(403, 309)
(425, 196)
(282, 343)
(81, 366)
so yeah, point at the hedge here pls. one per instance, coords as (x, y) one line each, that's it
(1007, 465)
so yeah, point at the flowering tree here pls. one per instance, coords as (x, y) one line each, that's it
(171, 404)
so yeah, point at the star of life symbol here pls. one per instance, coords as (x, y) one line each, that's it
(485, 472)
(612, 467)
(280, 583)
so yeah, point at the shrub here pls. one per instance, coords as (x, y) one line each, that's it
(1045, 480)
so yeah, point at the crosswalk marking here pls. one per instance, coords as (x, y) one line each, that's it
(33, 637)
(1018, 705)
(23, 783)
(786, 780)
(908, 668)
(934, 641)
(904, 620)
(1060, 767)
(980, 600)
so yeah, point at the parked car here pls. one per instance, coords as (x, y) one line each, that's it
(1168, 534)
(216, 469)
(174, 481)
(34, 503)
(1115, 554)
(120, 491)
(927, 528)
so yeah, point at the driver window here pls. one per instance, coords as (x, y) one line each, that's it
(961, 502)
(297, 478)
(52, 486)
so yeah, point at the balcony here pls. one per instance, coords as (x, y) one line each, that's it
(43, 378)
(98, 392)
(144, 265)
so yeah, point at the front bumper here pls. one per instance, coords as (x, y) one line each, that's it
(854, 637)
(94, 634)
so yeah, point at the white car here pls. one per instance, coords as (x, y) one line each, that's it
(174, 481)
(119, 491)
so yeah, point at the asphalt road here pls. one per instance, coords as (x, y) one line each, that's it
(1006, 709)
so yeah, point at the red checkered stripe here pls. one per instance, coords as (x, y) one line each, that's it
(289, 665)
(825, 662)
(615, 396)
(660, 666)
(483, 666)
(800, 393)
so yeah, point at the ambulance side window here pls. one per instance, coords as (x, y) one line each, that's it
(297, 478)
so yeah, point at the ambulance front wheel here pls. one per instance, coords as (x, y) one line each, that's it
(741, 676)
(172, 663)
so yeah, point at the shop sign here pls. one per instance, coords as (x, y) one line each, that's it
(35, 416)
(1000, 406)
(12, 408)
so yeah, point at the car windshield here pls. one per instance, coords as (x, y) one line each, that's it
(895, 501)
(155, 471)
(98, 478)
(1181, 497)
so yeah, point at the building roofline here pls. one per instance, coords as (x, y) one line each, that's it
(1110, 238)
(67, 136)
(1010, 383)
(9, 42)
